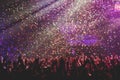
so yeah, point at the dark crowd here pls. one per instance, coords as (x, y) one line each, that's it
(80, 67)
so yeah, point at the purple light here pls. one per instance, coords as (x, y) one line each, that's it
(85, 40)
(89, 40)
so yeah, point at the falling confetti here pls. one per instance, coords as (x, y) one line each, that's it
(57, 27)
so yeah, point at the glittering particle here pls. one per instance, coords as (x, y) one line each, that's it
(50, 27)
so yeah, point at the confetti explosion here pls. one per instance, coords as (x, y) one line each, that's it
(57, 27)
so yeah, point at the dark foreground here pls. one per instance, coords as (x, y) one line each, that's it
(80, 67)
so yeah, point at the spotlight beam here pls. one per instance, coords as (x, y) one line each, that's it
(34, 11)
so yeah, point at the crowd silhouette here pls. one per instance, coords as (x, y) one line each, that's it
(80, 67)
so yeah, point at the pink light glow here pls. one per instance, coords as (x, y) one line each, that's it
(117, 7)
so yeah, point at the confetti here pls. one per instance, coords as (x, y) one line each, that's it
(57, 27)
